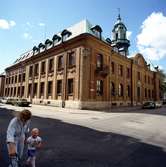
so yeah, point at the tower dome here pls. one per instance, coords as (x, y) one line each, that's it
(120, 43)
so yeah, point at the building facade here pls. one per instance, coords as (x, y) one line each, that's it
(78, 68)
(2, 84)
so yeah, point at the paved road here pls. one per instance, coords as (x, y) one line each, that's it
(132, 138)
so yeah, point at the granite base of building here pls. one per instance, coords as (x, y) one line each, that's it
(99, 105)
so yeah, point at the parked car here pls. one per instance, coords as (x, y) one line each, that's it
(151, 105)
(3, 100)
(9, 100)
(21, 102)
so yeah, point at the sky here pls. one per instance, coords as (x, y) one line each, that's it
(26, 23)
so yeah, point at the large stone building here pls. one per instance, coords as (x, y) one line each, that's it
(2, 84)
(78, 68)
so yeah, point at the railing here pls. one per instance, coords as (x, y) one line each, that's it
(103, 71)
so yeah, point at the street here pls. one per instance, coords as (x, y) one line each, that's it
(82, 138)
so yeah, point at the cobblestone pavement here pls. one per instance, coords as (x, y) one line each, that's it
(82, 138)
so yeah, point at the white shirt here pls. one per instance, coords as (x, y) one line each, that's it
(16, 130)
(33, 142)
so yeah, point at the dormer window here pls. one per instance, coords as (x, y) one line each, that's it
(97, 30)
(56, 39)
(41, 47)
(48, 43)
(35, 50)
(108, 40)
(65, 34)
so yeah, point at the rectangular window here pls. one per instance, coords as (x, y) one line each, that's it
(138, 92)
(149, 94)
(49, 88)
(99, 87)
(15, 78)
(71, 59)
(51, 65)
(30, 71)
(138, 76)
(145, 93)
(99, 61)
(59, 87)
(22, 93)
(7, 80)
(23, 79)
(113, 67)
(145, 78)
(35, 89)
(128, 72)
(60, 62)
(36, 69)
(11, 91)
(70, 86)
(19, 78)
(6, 93)
(18, 92)
(43, 67)
(41, 88)
(128, 91)
(12, 79)
(29, 89)
(14, 91)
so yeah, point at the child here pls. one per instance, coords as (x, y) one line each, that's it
(34, 142)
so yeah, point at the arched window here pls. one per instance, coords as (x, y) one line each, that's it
(128, 90)
(99, 61)
(138, 92)
(120, 92)
(112, 89)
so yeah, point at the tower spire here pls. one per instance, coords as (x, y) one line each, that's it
(120, 43)
(119, 18)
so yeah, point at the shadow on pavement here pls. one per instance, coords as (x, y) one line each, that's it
(157, 111)
(68, 145)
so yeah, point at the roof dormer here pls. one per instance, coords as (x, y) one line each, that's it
(97, 30)
(65, 34)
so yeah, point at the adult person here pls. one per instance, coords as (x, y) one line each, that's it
(16, 133)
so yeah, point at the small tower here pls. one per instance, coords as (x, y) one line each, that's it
(120, 43)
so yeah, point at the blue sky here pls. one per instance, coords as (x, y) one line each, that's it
(24, 24)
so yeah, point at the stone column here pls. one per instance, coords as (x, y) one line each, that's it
(38, 85)
(46, 81)
(54, 83)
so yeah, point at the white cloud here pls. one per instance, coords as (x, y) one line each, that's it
(4, 24)
(151, 42)
(128, 34)
(41, 24)
(12, 23)
(27, 36)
